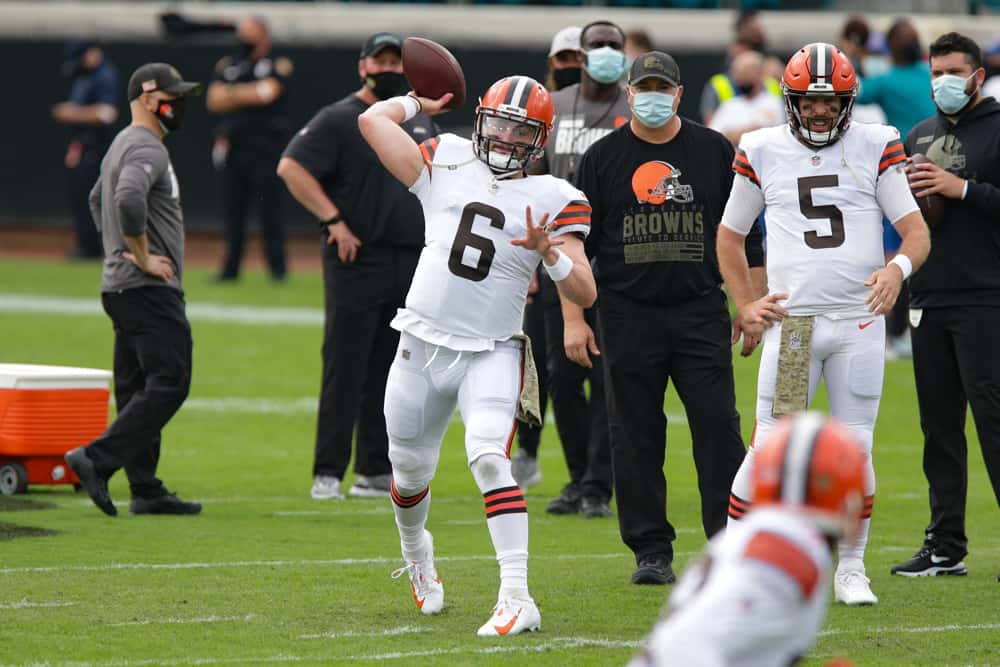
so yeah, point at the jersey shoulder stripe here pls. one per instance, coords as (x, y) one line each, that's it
(576, 212)
(893, 154)
(785, 555)
(741, 165)
(427, 150)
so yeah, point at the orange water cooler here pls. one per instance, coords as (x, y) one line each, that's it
(45, 411)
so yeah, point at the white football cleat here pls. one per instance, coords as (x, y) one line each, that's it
(851, 587)
(426, 586)
(512, 616)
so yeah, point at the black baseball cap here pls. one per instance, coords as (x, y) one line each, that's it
(380, 41)
(655, 64)
(160, 76)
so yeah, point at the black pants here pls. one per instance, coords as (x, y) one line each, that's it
(956, 365)
(358, 348)
(81, 179)
(897, 321)
(529, 437)
(152, 378)
(582, 424)
(249, 175)
(644, 347)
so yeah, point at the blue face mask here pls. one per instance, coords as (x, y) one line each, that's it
(605, 65)
(949, 93)
(653, 109)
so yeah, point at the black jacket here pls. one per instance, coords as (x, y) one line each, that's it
(963, 268)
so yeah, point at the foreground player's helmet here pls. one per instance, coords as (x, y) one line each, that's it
(819, 70)
(813, 464)
(513, 121)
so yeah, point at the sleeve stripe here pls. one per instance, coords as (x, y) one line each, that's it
(749, 173)
(575, 213)
(562, 222)
(786, 556)
(892, 147)
(428, 149)
(888, 162)
(578, 202)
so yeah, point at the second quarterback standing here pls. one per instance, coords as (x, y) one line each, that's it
(826, 183)
(487, 227)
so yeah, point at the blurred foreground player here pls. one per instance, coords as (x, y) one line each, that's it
(460, 337)
(759, 594)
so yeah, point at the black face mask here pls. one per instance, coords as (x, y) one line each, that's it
(745, 90)
(171, 113)
(566, 77)
(387, 84)
(244, 49)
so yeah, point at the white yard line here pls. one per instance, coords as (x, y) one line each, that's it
(912, 630)
(182, 621)
(332, 562)
(196, 311)
(26, 604)
(388, 632)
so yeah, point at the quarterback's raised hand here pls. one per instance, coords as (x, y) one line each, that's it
(432, 107)
(536, 238)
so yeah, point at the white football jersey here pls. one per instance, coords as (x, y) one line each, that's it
(757, 597)
(823, 212)
(471, 284)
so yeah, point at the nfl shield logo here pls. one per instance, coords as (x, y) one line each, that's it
(795, 341)
(816, 160)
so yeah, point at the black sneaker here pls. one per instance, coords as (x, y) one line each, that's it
(654, 569)
(165, 504)
(593, 507)
(930, 563)
(568, 501)
(95, 485)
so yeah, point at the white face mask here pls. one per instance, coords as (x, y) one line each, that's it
(949, 92)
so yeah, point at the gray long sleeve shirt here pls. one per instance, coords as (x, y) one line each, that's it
(137, 192)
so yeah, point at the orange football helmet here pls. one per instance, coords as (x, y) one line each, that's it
(814, 464)
(819, 70)
(513, 121)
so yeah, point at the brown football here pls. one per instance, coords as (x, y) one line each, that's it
(432, 71)
(931, 206)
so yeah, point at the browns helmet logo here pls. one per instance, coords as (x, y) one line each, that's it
(657, 182)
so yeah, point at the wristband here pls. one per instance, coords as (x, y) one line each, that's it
(411, 106)
(323, 224)
(904, 264)
(561, 269)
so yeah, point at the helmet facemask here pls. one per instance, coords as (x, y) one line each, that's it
(802, 126)
(507, 142)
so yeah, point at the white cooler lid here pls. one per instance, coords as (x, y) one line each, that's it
(30, 376)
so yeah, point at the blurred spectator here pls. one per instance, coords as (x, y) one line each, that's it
(637, 42)
(565, 59)
(902, 91)
(749, 35)
(754, 107)
(89, 112)
(854, 40)
(249, 91)
(585, 113)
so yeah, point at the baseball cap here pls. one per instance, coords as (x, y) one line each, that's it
(160, 76)
(379, 41)
(567, 39)
(655, 64)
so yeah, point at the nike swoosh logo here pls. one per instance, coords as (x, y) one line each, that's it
(419, 601)
(938, 559)
(865, 325)
(504, 629)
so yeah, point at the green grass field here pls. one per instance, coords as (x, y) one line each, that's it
(267, 576)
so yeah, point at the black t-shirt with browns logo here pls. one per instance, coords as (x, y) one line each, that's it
(656, 211)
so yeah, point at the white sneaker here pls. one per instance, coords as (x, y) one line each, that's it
(851, 587)
(426, 586)
(524, 469)
(326, 487)
(512, 616)
(371, 486)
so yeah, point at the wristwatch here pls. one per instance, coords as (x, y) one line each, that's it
(323, 224)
